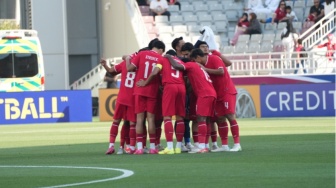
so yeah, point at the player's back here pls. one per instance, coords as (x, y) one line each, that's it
(221, 82)
(145, 62)
(127, 83)
(169, 74)
(199, 80)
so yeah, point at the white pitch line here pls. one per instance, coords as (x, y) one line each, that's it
(126, 173)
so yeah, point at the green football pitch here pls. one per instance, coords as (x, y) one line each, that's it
(286, 152)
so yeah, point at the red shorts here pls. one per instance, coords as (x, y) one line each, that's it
(173, 102)
(145, 104)
(124, 112)
(192, 106)
(227, 106)
(205, 106)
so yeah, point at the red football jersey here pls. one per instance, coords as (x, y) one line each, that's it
(145, 62)
(127, 83)
(200, 80)
(169, 74)
(223, 84)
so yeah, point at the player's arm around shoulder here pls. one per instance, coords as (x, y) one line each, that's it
(174, 63)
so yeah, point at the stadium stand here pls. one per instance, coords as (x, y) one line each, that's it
(221, 16)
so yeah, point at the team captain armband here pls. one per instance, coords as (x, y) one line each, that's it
(159, 66)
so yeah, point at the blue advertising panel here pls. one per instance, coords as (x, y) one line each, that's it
(298, 100)
(45, 107)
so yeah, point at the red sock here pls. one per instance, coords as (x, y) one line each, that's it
(223, 130)
(202, 131)
(208, 133)
(195, 136)
(114, 131)
(235, 131)
(152, 138)
(158, 131)
(127, 132)
(214, 136)
(169, 130)
(122, 136)
(179, 130)
(132, 135)
(144, 136)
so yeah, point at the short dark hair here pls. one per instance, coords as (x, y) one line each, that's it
(299, 41)
(199, 43)
(144, 49)
(196, 52)
(159, 45)
(175, 42)
(171, 52)
(150, 44)
(187, 47)
(288, 8)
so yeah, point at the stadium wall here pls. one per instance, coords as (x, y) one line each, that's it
(265, 96)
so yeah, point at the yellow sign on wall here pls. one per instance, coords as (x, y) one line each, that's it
(107, 103)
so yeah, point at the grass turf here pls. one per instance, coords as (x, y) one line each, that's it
(289, 152)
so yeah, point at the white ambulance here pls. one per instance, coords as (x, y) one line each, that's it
(21, 61)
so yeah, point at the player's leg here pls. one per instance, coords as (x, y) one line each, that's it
(150, 108)
(158, 131)
(169, 133)
(140, 107)
(213, 135)
(235, 132)
(131, 116)
(179, 132)
(230, 115)
(115, 128)
(223, 128)
(123, 134)
(205, 108)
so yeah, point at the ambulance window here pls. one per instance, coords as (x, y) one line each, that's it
(18, 65)
(6, 66)
(26, 65)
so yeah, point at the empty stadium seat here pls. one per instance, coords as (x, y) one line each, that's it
(151, 28)
(187, 8)
(221, 26)
(201, 8)
(215, 7)
(231, 15)
(193, 28)
(148, 19)
(228, 49)
(190, 18)
(301, 4)
(176, 19)
(297, 26)
(205, 18)
(180, 29)
(256, 38)
(268, 38)
(197, 3)
(165, 29)
(253, 48)
(299, 12)
(269, 26)
(266, 47)
(243, 39)
(161, 19)
(173, 8)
